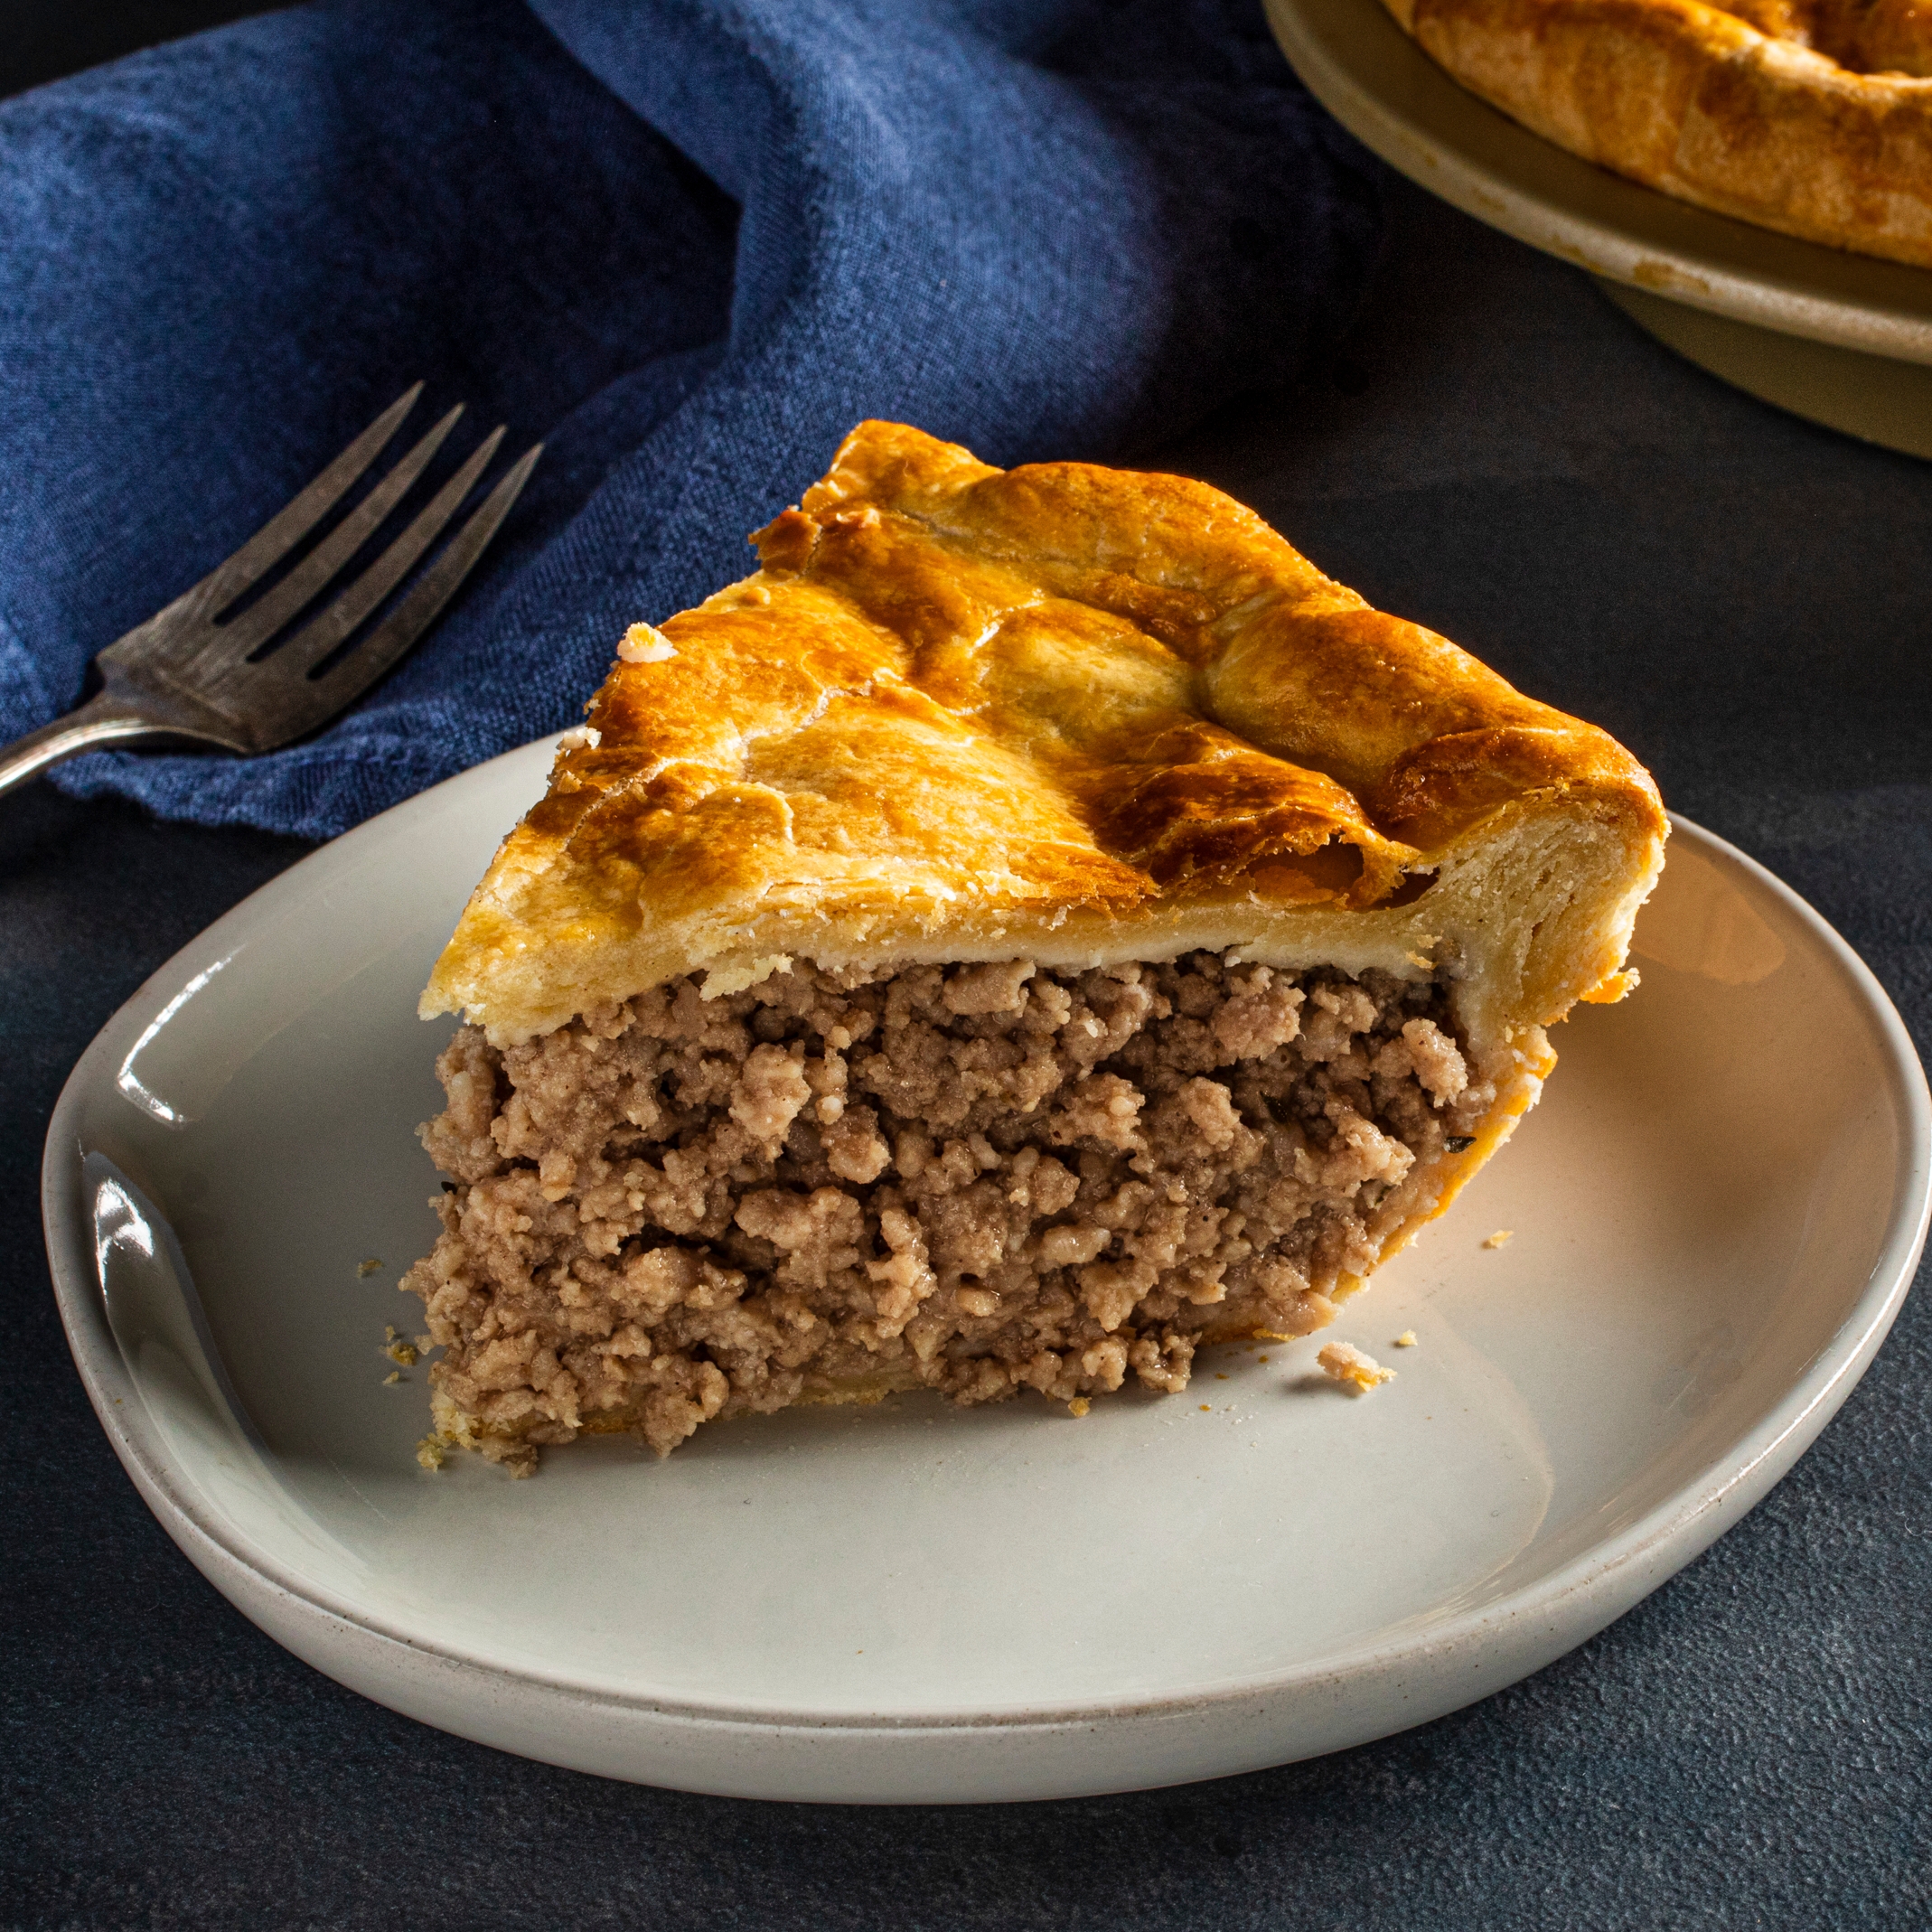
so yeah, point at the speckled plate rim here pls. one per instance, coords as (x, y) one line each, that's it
(1396, 101)
(957, 1755)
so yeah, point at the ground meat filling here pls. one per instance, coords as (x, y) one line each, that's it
(977, 1178)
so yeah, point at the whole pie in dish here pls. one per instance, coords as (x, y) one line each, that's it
(1813, 117)
(1034, 925)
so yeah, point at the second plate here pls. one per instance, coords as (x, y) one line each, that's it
(1393, 98)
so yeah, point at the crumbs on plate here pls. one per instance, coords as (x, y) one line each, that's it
(1344, 1362)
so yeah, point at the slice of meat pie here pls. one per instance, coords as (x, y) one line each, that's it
(1034, 925)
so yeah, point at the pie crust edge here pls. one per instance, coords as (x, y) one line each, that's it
(1702, 106)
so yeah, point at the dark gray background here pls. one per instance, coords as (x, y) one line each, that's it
(1747, 600)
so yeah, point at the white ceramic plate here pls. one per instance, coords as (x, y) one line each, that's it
(1394, 99)
(1716, 1210)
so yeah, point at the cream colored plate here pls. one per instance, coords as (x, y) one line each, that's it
(1716, 1212)
(1393, 98)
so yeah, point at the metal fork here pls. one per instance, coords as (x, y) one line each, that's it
(187, 678)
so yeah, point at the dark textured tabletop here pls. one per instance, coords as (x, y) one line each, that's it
(1744, 599)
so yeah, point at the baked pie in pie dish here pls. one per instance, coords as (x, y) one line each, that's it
(1034, 926)
(1812, 116)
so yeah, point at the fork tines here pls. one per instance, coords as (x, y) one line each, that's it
(273, 690)
(259, 625)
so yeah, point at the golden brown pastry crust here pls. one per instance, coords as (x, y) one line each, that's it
(1066, 713)
(1811, 119)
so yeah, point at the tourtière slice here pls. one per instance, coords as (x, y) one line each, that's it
(1811, 117)
(1034, 925)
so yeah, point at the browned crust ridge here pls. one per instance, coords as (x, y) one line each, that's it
(1814, 120)
(991, 712)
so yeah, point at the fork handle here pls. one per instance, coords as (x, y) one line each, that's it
(99, 722)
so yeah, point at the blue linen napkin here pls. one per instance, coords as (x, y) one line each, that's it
(687, 242)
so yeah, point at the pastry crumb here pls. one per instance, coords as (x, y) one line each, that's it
(1205, 1407)
(1078, 1406)
(645, 644)
(397, 1349)
(394, 1376)
(1406, 1340)
(431, 1453)
(364, 1270)
(1342, 1363)
(1501, 1238)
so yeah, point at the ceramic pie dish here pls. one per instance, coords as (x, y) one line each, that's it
(1838, 337)
(908, 1603)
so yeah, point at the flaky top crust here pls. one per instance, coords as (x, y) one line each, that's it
(1060, 711)
(1810, 116)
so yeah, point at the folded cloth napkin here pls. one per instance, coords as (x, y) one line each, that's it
(688, 243)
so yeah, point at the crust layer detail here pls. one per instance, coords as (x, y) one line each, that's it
(1082, 714)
